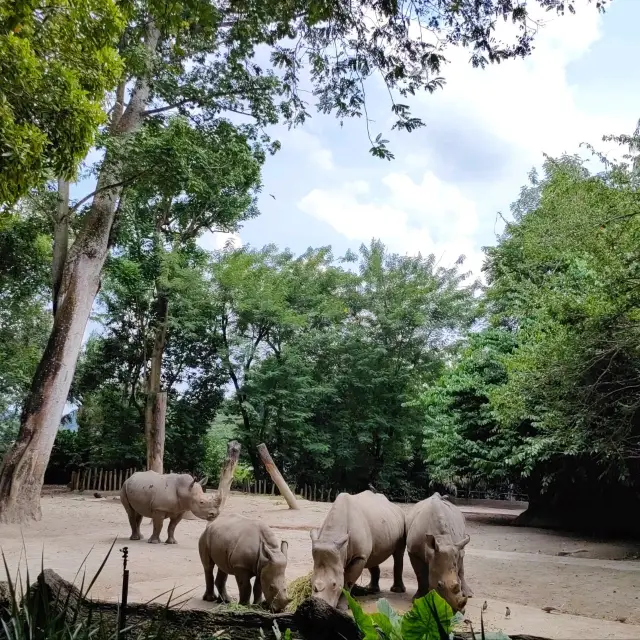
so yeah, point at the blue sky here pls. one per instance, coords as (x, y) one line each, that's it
(485, 130)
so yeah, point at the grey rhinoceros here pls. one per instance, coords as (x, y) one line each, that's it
(159, 496)
(360, 531)
(436, 539)
(244, 548)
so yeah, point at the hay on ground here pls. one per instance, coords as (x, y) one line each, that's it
(299, 590)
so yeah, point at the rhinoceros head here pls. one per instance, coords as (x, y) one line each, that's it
(204, 505)
(327, 580)
(443, 560)
(273, 563)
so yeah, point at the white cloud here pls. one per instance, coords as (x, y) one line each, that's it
(529, 103)
(429, 217)
(216, 241)
(310, 147)
(520, 108)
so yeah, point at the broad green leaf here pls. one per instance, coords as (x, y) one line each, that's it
(421, 621)
(363, 620)
(385, 608)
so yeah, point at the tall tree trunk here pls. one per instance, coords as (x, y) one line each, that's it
(228, 469)
(60, 241)
(156, 405)
(24, 465)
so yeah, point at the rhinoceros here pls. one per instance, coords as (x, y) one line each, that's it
(158, 496)
(360, 531)
(436, 540)
(244, 548)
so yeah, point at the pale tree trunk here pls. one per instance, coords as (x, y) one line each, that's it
(228, 469)
(60, 242)
(24, 465)
(276, 476)
(156, 404)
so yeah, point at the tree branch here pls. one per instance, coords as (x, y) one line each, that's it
(122, 183)
(175, 105)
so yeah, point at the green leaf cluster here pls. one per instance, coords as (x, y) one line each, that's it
(57, 60)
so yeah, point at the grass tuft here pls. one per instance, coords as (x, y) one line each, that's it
(299, 590)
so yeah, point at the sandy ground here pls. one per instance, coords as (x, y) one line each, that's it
(505, 565)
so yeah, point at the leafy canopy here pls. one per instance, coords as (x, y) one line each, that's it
(57, 60)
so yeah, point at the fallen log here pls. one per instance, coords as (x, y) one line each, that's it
(313, 620)
(276, 476)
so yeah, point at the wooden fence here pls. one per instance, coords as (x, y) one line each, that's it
(266, 487)
(99, 479)
(113, 479)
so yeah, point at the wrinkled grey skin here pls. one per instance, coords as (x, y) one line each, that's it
(244, 548)
(359, 532)
(436, 540)
(159, 496)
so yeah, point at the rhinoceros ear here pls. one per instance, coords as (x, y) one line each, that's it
(313, 534)
(284, 547)
(432, 543)
(193, 484)
(340, 542)
(463, 543)
(265, 553)
(203, 482)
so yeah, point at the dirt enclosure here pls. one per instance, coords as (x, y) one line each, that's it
(591, 584)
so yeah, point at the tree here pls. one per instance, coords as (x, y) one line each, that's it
(57, 59)
(564, 277)
(25, 256)
(464, 443)
(325, 362)
(198, 58)
(209, 181)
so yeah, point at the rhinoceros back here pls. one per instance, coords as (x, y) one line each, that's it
(437, 517)
(148, 491)
(233, 542)
(375, 525)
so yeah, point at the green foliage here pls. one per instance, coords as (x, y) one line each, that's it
(325, 362)
(547, 394)
(464, 444)
(25, 253)
(57, 59)
(38, 614)
(430, 618)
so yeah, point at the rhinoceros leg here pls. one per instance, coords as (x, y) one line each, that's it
(158, 519)
(372, 587)
(209, 595)
(135, 519)
(466, 589)
(171, 529)
(257, 591)
(398, 566)
(243, 578)
(351, 575)
(207, 565)
(221, 586)
(421, 569)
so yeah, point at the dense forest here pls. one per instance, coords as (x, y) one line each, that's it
(367, 368)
